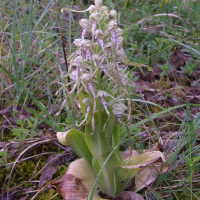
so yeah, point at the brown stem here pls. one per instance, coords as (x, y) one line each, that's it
(63, 45)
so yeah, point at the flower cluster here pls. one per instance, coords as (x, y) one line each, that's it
(95, 65)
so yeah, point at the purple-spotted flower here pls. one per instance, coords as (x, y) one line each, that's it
(95, 64)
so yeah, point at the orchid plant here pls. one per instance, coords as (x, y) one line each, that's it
(101, 83)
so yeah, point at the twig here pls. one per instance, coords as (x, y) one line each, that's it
(63, 45)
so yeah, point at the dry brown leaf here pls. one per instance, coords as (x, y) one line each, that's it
(148, 174)
(73, 185)
(143, 160)
(125, 154)
(127, 196)
(50, 169)
(53, 162)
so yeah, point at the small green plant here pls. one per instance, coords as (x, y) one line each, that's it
(3, 156)
(102, 88)
(166, 69)
(189, 68)
(28, 128)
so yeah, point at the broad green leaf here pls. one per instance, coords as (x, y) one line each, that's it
(76, 140)
(116, 136)
(100, 172)
(142, 160)
(112, 130)
(96, 141)
(96, 168)
(100, 149)
(123, 176)
(82, 96)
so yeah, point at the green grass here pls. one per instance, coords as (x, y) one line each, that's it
(32, 67)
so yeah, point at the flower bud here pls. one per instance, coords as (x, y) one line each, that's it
(119, 108)
(91, 8)
(120, 55)
(104, 10)
(98, 4)
(113, 13)
(85, 24)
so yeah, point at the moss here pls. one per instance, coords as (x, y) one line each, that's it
(25, 170)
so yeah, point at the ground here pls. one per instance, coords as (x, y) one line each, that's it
(161, 37)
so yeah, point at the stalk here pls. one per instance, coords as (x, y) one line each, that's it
(101, 85)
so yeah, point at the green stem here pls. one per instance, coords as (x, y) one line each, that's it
(100, 148)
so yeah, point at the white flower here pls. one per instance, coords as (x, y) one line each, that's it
(83, 43)
(85, 24)
(72, 75)
(102, 93)
(108, 67)
(118, 32)
(112, 24)
(87, 102)
(98, 33)
(86, 43)
(94, 17)
(108, 45)
(85, 78)
(119, 108)
(77, 42)
(77, 61)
